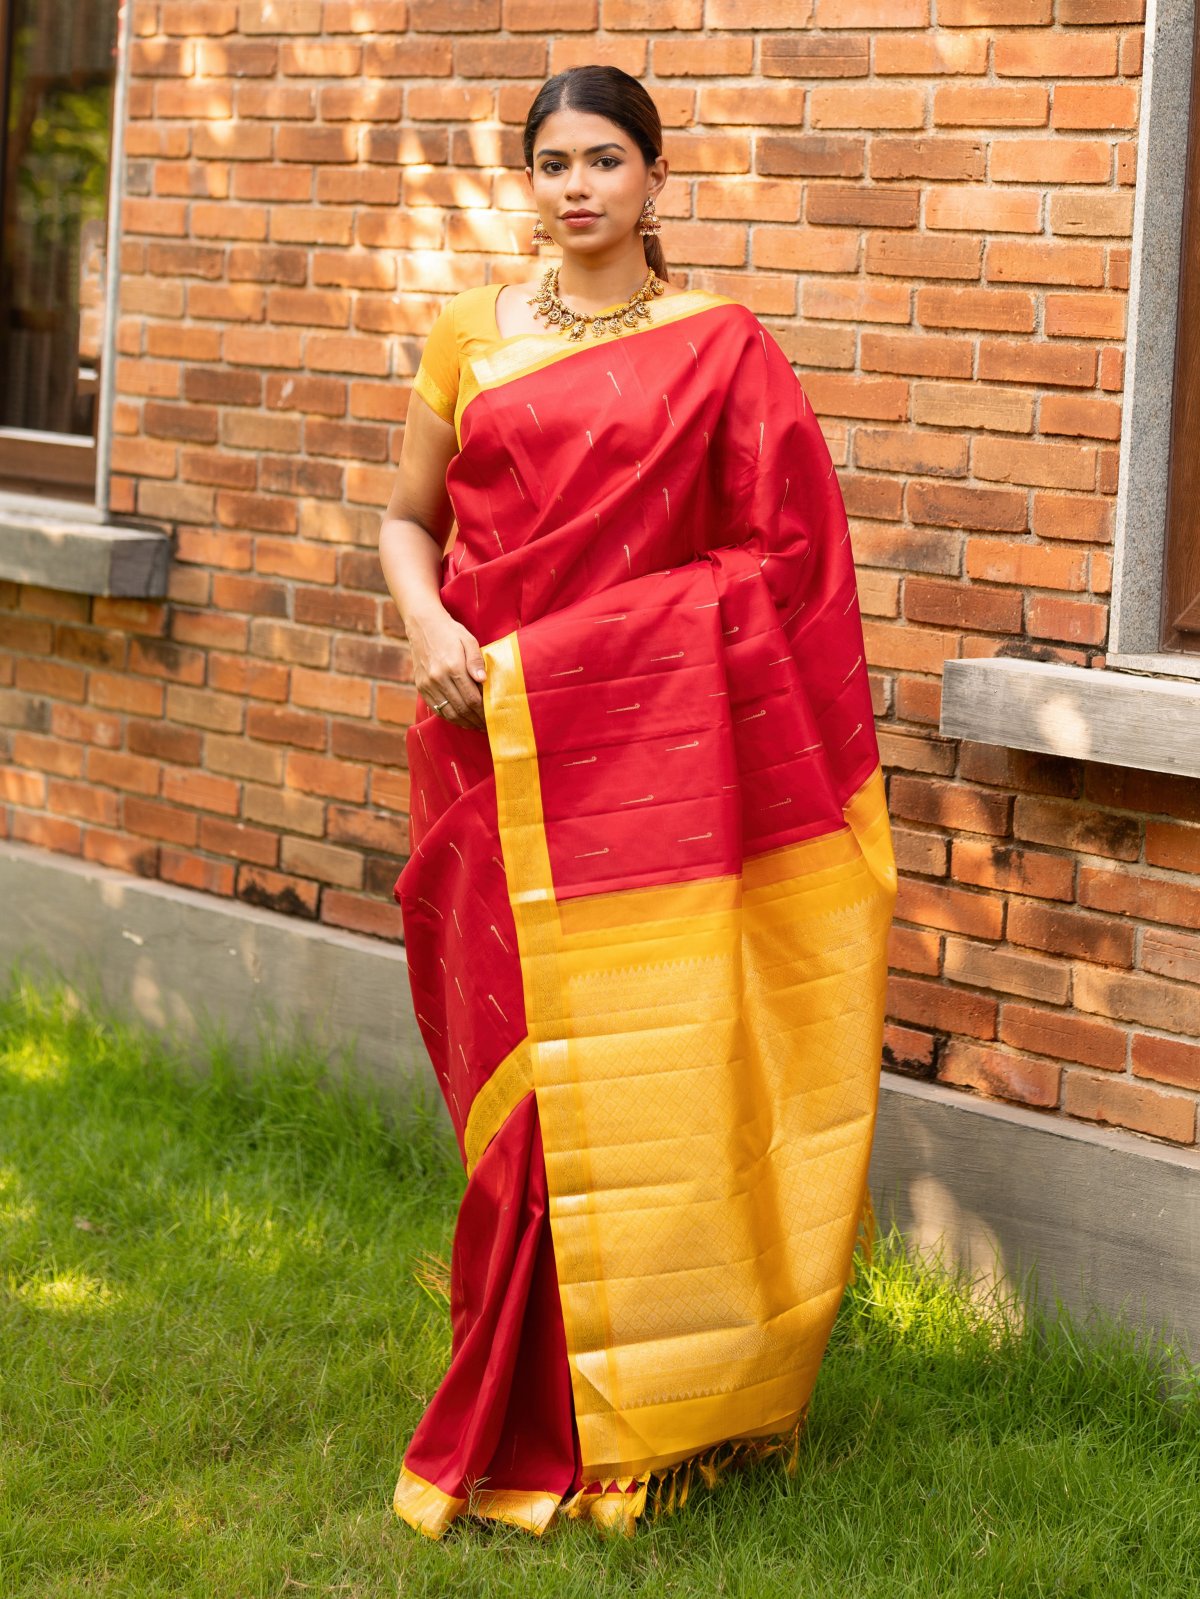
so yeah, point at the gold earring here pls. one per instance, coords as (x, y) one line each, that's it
(540, 236)
(649, 225)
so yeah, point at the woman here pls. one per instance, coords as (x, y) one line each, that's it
(652, 874)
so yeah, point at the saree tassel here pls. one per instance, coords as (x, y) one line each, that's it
(864, 1241)
(671, 1486)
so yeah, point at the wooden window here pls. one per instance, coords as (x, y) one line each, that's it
(57, 77)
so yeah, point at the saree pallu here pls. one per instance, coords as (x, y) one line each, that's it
(645, 917)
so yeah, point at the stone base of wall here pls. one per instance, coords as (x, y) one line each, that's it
(1097, 1219)
(194, 965)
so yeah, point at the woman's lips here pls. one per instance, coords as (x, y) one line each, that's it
(580, 221)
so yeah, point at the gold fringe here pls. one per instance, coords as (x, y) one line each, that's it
(617, 1507)
(672, 1485)
(864, 1242)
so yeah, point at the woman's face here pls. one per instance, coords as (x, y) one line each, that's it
(584, 162)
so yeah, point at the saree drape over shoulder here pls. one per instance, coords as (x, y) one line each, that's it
(646, 911)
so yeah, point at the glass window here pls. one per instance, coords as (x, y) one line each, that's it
(58, 70)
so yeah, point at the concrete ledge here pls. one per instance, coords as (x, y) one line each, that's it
(1145, 722)
(1102, 1219)
(62, 544)
(1108, 1219)
(186, 964)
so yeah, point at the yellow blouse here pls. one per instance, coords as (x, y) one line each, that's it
(455, 362)
(465, 328)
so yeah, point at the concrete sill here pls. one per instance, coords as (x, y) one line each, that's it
(1151, 724)
(69, 545)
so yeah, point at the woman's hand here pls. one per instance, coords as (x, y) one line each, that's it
(447, 665)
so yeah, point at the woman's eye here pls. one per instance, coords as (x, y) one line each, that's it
(551, 166)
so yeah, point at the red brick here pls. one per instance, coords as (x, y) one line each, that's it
(180, 746)
(1171, 954)
(955, 909)
(22, 788)
(245, 677)
(1057, 1033)
(251, 595)
(998, 1074)
(1128, 893)
(69, 721)
(1073, 621)
(1120, 1103)
(277, 725)
(201, 791)
(322, 691)
(1070, 825)
(239, 841)
(1002, 310)
(131, 772)
(1013, 869)
(1135, 997)
(1071, 516)
(933, 1004)
(369, 658)
(365, 831)
(47, 832)
(1108, 106)
(290, 896)
(325, 862)
(284, 809)
(1166, 1060)
(360, 914)
(123, 854)
(1069, 932)
(334, 779)
(194, 871)
(279, 16)
(949, 805)
(155, 820)
(47, 754)
(908, 1050)
(1173, 846)
(358, 741)
(962, 605)
(83, 802)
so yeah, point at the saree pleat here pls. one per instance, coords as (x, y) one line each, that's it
(646, 920)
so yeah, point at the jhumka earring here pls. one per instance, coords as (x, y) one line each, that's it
(540, 236)
(649, 224)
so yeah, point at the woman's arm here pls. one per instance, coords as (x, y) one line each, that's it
(447, 661)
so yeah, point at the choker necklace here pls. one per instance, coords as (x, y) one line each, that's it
(576, 323)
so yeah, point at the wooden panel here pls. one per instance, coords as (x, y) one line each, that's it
(1149, 723)
(33, 462)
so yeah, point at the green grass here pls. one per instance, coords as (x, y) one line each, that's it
(215, 1340)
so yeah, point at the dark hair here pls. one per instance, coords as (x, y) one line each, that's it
(606, 92)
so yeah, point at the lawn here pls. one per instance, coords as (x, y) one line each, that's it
(218, 1325)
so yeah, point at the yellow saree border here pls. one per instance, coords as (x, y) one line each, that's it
(835, 892)
(428, 1509)
(521, 353)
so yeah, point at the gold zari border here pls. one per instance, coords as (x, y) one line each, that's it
(706, 1061)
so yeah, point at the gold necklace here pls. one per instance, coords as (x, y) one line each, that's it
(575, 324)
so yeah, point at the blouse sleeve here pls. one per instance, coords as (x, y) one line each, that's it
(437, 376)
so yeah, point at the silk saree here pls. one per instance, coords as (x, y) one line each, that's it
(645, 912)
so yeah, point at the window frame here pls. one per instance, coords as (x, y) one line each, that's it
(1142, 711)
(71, 467)
(1151, 416)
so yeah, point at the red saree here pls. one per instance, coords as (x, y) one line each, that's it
(645, 917)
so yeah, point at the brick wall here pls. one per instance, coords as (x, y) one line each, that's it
(932, 219)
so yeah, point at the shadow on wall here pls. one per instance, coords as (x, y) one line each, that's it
(197, 969)
(1102, 1222)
